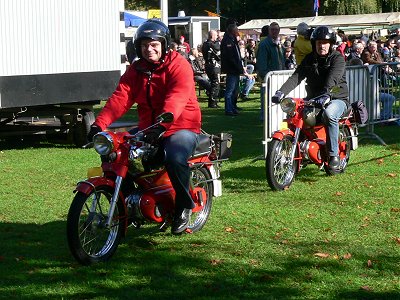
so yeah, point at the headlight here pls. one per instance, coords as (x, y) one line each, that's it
(103, 143)
(288, 105)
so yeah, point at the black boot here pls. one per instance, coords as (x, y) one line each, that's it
(181, 220)
(212, 103)
(334, 162)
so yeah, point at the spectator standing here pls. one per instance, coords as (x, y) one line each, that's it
(290, 62)
(232, 66)
(269, 58)
(183, 46)
(302, 44)
(130, 52)
(263, 36)
(251, 54)
(212, 56)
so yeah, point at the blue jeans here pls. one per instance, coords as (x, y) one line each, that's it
(331, 117)
(178, 148)
(231, 92)
(248, 83)
(387, 102)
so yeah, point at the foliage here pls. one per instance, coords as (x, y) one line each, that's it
(245, 10)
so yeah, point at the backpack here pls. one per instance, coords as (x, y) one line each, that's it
(360, 112)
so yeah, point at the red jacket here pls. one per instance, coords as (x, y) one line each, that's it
(166, 87)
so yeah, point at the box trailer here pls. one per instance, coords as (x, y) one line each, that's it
(57, 59)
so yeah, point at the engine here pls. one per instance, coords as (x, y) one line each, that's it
(311, 150)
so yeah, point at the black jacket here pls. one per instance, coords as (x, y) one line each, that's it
(321, 74)
(231, 61)
(212, 54)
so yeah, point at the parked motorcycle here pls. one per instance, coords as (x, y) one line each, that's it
(132, 187)
(303, 141)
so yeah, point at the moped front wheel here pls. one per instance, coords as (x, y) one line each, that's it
(90, 240)
(201, 183)
(280, 170)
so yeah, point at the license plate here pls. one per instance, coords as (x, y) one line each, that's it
(284, 125)
(94, 172)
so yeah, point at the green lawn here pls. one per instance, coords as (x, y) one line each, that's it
(324, 238)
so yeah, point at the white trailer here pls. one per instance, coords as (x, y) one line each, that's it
(57, 59)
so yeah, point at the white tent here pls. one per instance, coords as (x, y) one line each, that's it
(362, 21)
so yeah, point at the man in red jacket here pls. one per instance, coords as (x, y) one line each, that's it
(160, 81)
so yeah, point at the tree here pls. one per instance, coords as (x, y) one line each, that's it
(245, 10)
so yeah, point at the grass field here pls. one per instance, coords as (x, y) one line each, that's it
(324, 238)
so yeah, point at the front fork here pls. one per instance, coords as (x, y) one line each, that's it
(295, 140)
(114, 199)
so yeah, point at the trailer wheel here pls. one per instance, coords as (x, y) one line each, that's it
(81, 129)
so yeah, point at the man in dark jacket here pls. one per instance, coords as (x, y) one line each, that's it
(160, 81)
(232, 66)
(323, 69)
(212, 57)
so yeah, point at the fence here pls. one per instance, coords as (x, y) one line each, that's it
(377, 85)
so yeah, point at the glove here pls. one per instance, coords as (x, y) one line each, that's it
(277, 97)
(322, 101)
(153, 134)
(93, 130)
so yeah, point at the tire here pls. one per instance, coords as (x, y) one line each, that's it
(201, 178)
(88, 239)
(279, 174)
(344, 152)
(81, 129)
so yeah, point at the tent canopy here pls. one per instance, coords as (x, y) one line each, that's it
(362, 20)
(132, 20)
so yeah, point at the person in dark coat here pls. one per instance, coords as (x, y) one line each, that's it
(232, 66)
(323, 70)
(211, 50)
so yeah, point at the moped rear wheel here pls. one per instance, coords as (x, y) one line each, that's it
(89, 239)
(344, 152)
(201, 180)
(279, 169)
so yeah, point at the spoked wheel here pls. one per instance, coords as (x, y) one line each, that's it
(279, 170)
(202, 188)
(344, 152)
(89, 239)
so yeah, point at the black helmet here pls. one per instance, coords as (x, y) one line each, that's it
(155, 30)
(323, 33)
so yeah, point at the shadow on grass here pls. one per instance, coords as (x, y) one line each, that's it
(253, 177)
(36, 264)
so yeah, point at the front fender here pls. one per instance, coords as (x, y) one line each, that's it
(278, 135)
(87, 186)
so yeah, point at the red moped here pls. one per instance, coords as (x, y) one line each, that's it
(302, 140)
(132, 187)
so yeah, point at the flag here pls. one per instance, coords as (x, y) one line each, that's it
(211, 14)
(316, 6)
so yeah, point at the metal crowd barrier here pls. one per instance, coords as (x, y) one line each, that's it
(378, 86)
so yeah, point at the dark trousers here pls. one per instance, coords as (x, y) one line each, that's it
(178, 148)
(212, 74)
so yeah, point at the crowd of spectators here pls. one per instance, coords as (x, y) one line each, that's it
(273, 51)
